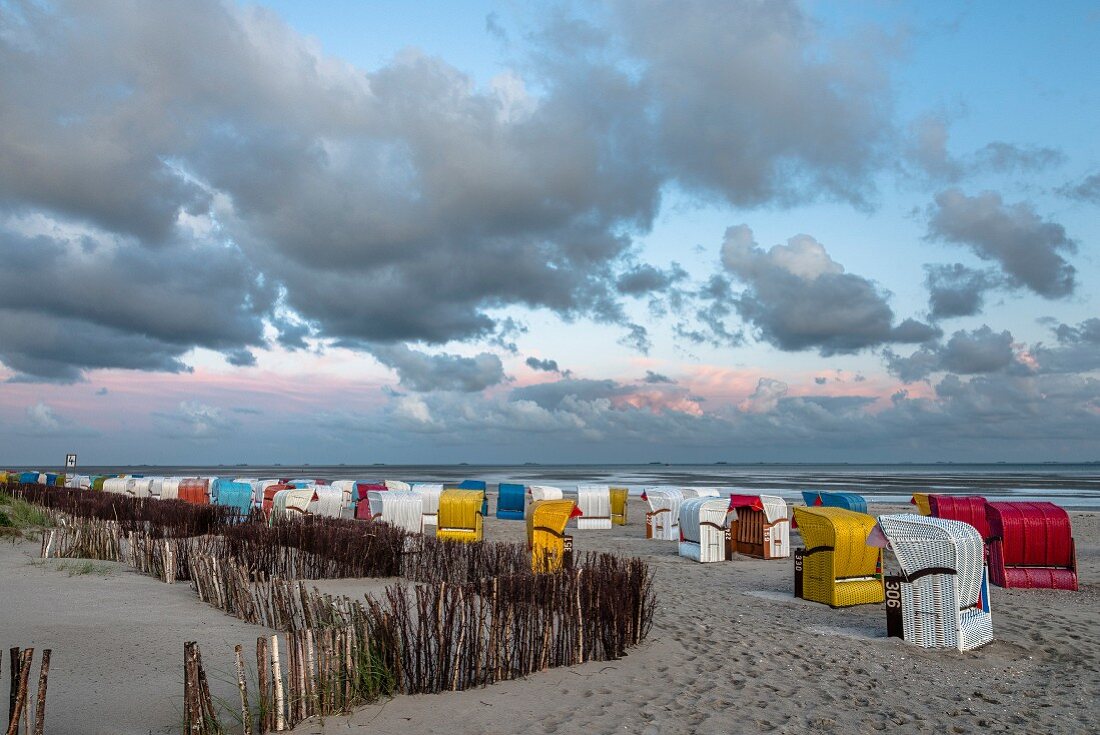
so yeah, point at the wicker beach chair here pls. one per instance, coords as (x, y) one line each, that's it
(595, 504)
(190, 489)
(620, 497)
(759, 526)
(235, 495)
(329, 501)
(472, 485)
(941, 600)
(662, 521)
(292, 502)
(1031, 546)
(397, 485)
(966, 508)
(837, 567)
(922, 501)
(703, 529)
(429, 494)
(401, 508)
(460, 517)
(511, 499)
(700, 492)
(825, 499)
(551, 549)
(544, 492)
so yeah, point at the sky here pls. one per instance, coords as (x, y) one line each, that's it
(505, 232)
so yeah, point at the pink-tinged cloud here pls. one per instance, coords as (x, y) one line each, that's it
(659, 401)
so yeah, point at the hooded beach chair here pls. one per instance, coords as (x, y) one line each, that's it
(966, 508)
(545, 492)
(620, 497)
(825, 499)
(759, 526)
(429, 493)
(192, 490)
(921, 501)
(836, 567)
(292, 502)
(700, 492)
(703, 529)
(235, 495)
(28, 478)
(551, 549)
(941, 599)
(396, 485)
(329, 501)
(595, 504)
(510, 501)
(662, 521)
(460, 517)
(401, 508)
(474, 485)
(1031, 546)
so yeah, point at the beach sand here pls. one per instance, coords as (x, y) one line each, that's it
(730, 651)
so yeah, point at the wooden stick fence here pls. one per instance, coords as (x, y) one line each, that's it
(19, 709)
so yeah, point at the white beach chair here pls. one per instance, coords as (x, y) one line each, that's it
(429, 492)
(703, 529)
(595, 503)
(663, 518)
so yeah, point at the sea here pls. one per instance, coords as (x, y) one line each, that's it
(1068, 485)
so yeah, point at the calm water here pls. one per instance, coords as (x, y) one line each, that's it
(1070, 485)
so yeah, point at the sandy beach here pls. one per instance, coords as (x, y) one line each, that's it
(730, 651)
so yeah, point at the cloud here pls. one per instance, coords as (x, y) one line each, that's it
(766, 397)
(422, 372)
(956, 290)
(820, 380)
(196, 421)
(966, 353)
(927, 147)
(641, 280)
(43, 420)
(1077, 349)
(799, 298)
(656, 378)
(1086, 190)
(551, 395)
(240, 358)
(548, 366)
(1027, 248)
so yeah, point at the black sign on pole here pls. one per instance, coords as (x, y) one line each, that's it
(70, 461)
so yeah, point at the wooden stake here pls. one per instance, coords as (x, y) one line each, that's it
(277, 676)
(246, 716)
(40, 710)
(21, 691)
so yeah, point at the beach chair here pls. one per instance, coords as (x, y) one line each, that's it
(703, 529)
(235, 495)
(429, 492)
(700, 492)
(758, 526)
(396, 485)
(824, 499)
(1031, 546)
(966, 508)
(551, 549)
(941, 599)
(620, 500)
(190, 489)
(292, 502)
(662, 520)
(595, 504)
(460, 516)
(473, 485)
(921, 500)
(836, 567)
(329, 501)
(544, 492)
(401, 508)
(510, 501)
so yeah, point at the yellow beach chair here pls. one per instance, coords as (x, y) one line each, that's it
(837, 567)
(921, 501)
(460, 515)
(619, 497)
(550, 548)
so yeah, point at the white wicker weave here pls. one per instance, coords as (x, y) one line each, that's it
(663, 517)
(940, 609)
(396, 485)
(402, 508)
(703, 529)
(328, 501)
(429, 492)
(545, 492)
(775, 512)
(701, 492)
(595, 503)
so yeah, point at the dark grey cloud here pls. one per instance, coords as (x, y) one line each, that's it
(240, 358)
(799, 298)
(1086, 190)
(551, 395)
(548, 366)
(1077, 348)
(422, 372)
(656, 378)
(749, 105)
(1027, 248)
(710, 307)
(955, 290)
(972, 352)
(123, 305)
(644, 279)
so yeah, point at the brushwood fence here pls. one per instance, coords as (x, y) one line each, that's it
(461, 616)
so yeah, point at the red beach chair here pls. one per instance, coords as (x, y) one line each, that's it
(1031, 546)
(966, 508)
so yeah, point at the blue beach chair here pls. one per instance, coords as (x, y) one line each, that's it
(510, 501)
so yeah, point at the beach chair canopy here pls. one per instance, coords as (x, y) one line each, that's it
(761, 526)
(401, 508)
(945, 598)
(838, 567)
(545, 492)
(329, 502)
(848, 501)
(663, 518)
(1031, 546)
(703, 529)
(396, 485)
(921, 500)
(460, 517)
(28, 478)
(292, 502)
(966, 508)
(191, 489)
(235, 495)
(546, 522)
(511, 499)
(595, 504)
(700, 492)
(429, 492)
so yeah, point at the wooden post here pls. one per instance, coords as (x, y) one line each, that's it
(40, 709)
(246, 716)
(277, 676)
(263, 670)
(21, 691)
(13, 691)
